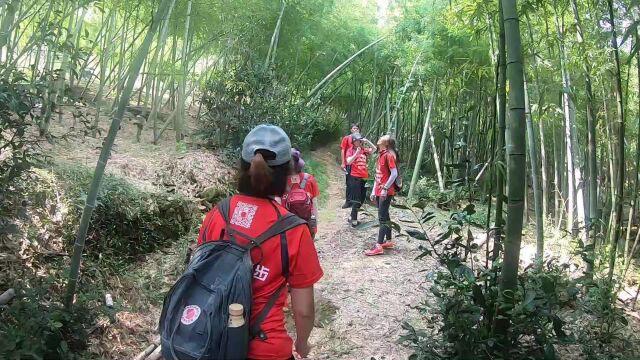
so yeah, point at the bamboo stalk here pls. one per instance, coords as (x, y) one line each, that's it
(92, 195)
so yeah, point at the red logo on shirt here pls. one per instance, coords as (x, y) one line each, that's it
(190, 314)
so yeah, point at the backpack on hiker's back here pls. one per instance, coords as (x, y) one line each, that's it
(195, 322)
(298, 200)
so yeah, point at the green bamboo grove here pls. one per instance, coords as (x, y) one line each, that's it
(528, 109)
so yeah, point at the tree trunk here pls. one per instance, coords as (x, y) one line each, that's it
(179, 120)
(589, 238)
(502, 113)
(621, 130)
(92, 195)
(271, 54)
(6, 26)
(516, 151)
(540, 91)
(569, 124)
(636, 178)
(423, 139)
(105, 54)
(537, 193)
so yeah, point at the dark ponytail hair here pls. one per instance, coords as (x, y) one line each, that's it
(259, 179)
(392, 146)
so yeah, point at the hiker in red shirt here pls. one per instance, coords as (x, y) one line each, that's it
(298, 179)
(264, 166)
(383, 191)
(345, 145)
(357, 158)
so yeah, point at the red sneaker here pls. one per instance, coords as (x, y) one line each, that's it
(377, 250)
(388, 245)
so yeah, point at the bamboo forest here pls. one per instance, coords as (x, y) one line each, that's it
(496, 142)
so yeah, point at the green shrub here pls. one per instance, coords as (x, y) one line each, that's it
(468, 298)
(427, 189)
(19, 144)
(244, 95)
(127, 221)
(608, 335)
(35, 327)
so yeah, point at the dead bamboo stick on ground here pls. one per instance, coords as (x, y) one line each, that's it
(156, 354)
(146, 352)
(7, 296)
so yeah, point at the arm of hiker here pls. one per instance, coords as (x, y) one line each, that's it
(303, 306)
(351, 158)
(392, 178)
(367, 141)
(343, 165)
(315, 210)
(372, 197)
(389, 184)
(305, 272)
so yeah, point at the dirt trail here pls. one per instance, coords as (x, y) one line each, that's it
(362, 301)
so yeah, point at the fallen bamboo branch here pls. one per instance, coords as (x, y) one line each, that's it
(7, 296)
(146, 352)
(156, 354)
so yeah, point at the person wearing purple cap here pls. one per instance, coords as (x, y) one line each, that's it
(305, 181)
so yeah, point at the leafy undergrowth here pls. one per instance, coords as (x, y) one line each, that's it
(138, 292)
(40, 217)
(555, 313)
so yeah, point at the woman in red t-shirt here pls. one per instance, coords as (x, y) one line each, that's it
(264, 166)
(383, 191)
(311, 187)
(345, 145)
(357, 157)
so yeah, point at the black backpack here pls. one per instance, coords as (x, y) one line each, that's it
(195, 313)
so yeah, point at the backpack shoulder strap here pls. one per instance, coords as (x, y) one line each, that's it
(224, 207)
(304, 181)
(284, 223)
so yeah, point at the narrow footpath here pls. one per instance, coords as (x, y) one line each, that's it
(362, 301)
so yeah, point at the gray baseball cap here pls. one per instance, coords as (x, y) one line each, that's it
(270, 138)
(356, 136)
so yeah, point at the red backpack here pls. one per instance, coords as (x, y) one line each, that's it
(298, 200)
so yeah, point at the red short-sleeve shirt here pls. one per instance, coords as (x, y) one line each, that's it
(346, 144)
(253, 216)
(359, 167)
(386, 162)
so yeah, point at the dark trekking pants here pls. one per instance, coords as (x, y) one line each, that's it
(347, 178)
(357, 195)
(383, 217)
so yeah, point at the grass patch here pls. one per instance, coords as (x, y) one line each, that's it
(318, 170)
